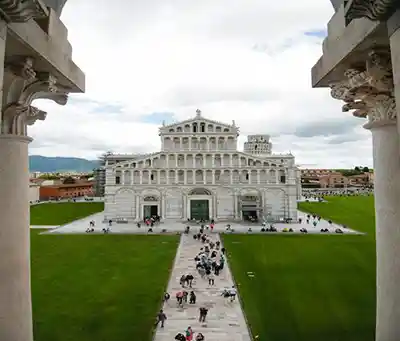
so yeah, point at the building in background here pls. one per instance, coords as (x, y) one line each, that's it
(200, 174)
(69, 189)
(34, 193)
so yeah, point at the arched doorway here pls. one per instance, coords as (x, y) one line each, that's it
(250, 205)
(200, 203)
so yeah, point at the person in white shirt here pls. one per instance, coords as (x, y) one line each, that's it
(232, 293)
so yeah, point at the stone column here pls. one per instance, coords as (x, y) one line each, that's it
(132, 175)
(141, 177)
(393, 25)
(213, 177)
(258, 176)
(369, 93)
(385, 140)
(137, 208)
(15, 289)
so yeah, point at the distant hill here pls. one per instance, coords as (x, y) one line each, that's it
(45, 164)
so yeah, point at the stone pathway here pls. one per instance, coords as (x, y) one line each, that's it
(225, 320)
(80, 226)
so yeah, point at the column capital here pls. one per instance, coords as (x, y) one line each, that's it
(22, 85)
(369, 91)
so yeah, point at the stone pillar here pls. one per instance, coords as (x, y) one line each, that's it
(258, 176)
(378, 105)
(213, 177)
(385, 140)
(137, 208)
(163, 206)
(393, 25)
(141, 177)
(185, 177)
(132, 175)
(15, 289)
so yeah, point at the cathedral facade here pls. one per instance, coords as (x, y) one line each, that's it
(200, 174)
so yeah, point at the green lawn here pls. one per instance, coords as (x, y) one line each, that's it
(99, 287)
(63, 213)
(310, 287)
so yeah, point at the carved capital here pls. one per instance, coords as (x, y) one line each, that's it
(22, 10)
(22, 85)
(369, 92)
(16, 118)
(375, 10)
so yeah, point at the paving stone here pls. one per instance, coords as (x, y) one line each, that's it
(225, 320)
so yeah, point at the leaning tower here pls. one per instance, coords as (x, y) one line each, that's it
(258, 145)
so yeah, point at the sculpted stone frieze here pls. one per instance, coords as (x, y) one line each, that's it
(21, 86)
(376, 10)
(369, 92)
(22, 10)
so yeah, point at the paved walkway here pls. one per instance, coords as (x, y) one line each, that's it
(225, 320)
(80, 226)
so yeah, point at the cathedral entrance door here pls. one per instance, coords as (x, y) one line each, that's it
(199, 209)
(150, 210)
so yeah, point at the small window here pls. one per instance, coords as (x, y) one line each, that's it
(118, 180)
(203, 128)
(249, 162)
(247, 176)
(255, 147)
(283, 179)
(152, 177)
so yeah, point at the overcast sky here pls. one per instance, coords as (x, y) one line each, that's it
(248, 61)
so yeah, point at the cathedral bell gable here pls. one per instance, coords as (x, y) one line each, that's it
(198, 124)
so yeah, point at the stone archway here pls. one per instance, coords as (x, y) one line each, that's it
(250, 204)
(200, 204)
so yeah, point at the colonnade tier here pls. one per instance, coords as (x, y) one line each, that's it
(199, 127)
(207, 176)
(206, 143)
(207, 160)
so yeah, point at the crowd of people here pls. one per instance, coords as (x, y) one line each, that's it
(318, 194)
(210, 262)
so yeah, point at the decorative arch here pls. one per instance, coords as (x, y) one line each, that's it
(250, 191)
(150, 192)
(124, 191)
(199, 191)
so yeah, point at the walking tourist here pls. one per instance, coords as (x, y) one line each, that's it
(189, 279)
(192, 298)
(182, 281)
(161, 317)
(211, 279)
(189, 334)
(203, 314)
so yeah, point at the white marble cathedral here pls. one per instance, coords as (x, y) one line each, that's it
(199, 173)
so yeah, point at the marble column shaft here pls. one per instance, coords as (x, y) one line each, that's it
(387, 209)
(15, 287)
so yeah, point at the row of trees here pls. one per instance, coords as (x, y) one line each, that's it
(356, 171)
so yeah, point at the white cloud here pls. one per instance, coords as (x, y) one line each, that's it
(235, 60)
